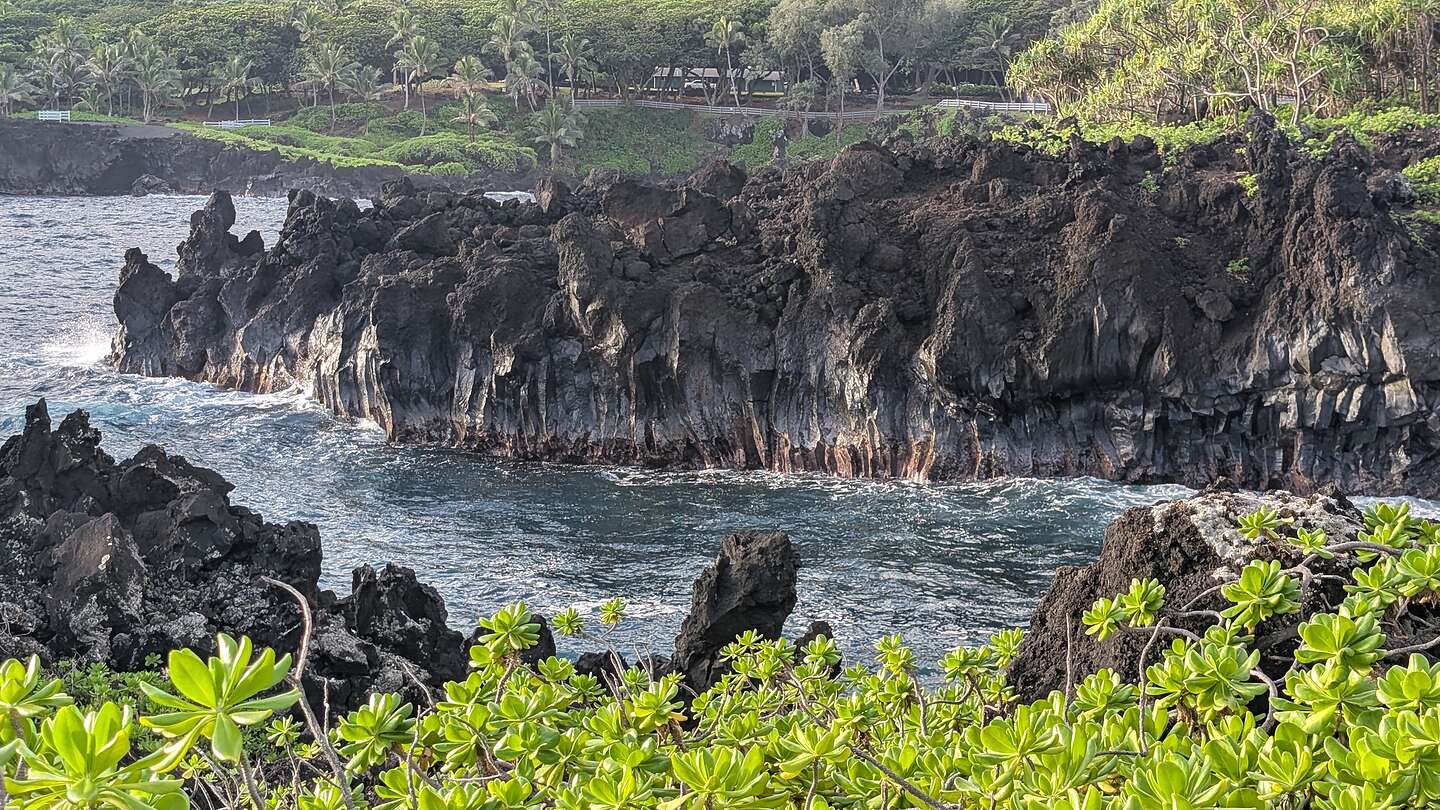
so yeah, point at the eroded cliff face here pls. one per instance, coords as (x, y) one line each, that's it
(950, 310)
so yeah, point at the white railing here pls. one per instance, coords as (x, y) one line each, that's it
(247, 122)
(997, 106)
(718, 110)
(53, 115)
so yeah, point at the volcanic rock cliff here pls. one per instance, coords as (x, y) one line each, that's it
(955, 309)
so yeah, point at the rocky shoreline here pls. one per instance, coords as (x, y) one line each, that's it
(112, 562)
(109, 159)
(952, 310)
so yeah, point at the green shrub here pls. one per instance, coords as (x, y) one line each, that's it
(452, 169)
(642, 141)
(1425, 177)
(760, 152)
(1250, 183)
(391, 128)
(1045, 136)
(239, 139)
(1354, 723)
(483, 153)
(350, 118)
(283, 135)
(1364, 123)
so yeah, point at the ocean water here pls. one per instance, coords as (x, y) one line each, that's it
(941, 564)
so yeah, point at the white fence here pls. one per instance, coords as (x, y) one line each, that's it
(53, 115)
(996, 106)
(248, 122)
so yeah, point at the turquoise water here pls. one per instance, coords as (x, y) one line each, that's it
(942, 564)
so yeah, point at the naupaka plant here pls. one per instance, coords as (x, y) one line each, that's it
(1344, 714)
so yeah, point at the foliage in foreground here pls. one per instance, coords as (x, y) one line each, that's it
(1342, 729)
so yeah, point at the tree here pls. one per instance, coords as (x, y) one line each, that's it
(939, 46)
(558, 128)
(545, 10)
(522, 78)
(724, 36)
(841, 48)
(469, 75)
(793, 32)
(577, 60)
(992, 45)
(58, 59)
(13, 88)
(475, 113)
(507, 36)
(799, 99)
(310, 22)
(418, 61)
(403, 28)
(363, 83)
(326, 68)
(109, 67)
(234, 77)
(892, 29)
(507, 41)
(1176, 61)
(156, 77)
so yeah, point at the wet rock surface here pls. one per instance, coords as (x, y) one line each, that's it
(948, 310)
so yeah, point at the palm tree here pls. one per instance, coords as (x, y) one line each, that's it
(469, 75)
(310, 22)
(325, 68)
(234, 77)
(403, 28)
(418, 61)
(507, 36)
(108, 68)
(156, 77)
(507, 39)
(724, 36)
(474, 112)
(58, 59)
(545, 10)
(522, 78)
(335, 8)
(577, 60)
(558, 128)
(13, 88)
(363, 83)
(993, 43)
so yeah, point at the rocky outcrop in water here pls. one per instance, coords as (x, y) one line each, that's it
(113, 562)
(750, 586)
(950, 310)
(83, 158)
(1190, 546)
